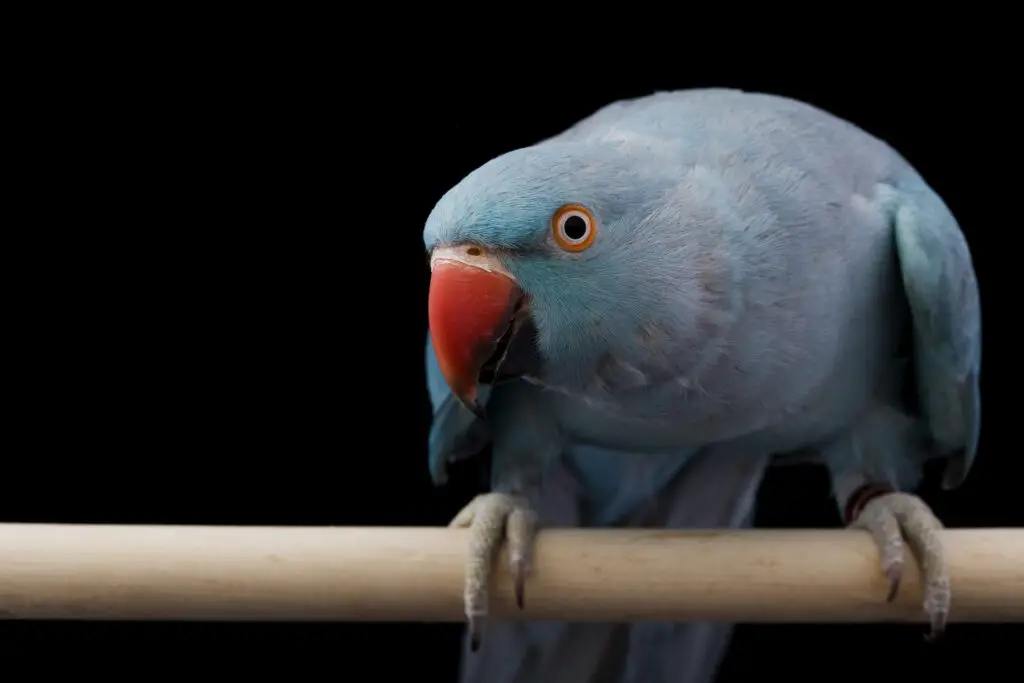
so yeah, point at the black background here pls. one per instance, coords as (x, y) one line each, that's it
(232, 333)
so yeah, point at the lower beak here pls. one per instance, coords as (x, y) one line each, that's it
(472, 303)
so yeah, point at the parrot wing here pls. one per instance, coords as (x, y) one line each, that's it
(940, 284)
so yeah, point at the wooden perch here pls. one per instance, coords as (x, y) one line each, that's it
(50, 571)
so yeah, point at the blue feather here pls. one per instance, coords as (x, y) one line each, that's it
(940, 285)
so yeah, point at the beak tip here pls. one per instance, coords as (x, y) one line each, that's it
(469, 309)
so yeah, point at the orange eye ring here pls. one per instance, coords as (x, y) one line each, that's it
(573, 227)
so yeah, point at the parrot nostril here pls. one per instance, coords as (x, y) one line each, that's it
(473, 251)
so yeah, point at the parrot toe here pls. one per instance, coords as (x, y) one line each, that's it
(491, 519)
(893, 517)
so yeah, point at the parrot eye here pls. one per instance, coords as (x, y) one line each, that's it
(573, 227)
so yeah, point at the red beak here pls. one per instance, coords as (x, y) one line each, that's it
(469, 309)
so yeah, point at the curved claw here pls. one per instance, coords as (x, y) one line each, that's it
(938, 626)
(895, 573)
(492, 518)
(890, 519)
(474, 634)
(520, 530)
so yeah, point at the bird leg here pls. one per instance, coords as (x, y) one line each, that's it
(892, 518)
(491, 519)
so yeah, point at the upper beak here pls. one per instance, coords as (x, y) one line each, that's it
(472, 302)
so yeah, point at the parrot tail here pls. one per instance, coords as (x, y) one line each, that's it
(710, 491)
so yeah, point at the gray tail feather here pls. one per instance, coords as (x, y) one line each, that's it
(711, 491)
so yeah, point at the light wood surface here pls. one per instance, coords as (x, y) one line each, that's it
(51, 571)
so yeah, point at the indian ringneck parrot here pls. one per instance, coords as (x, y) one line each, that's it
(639, 315)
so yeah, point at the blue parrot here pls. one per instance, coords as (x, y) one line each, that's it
(640, 313)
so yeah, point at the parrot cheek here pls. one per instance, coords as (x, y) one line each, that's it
(470, 309)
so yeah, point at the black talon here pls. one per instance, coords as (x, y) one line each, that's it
(520, 589)
(894, 574)
(938, 627)
(474, 634)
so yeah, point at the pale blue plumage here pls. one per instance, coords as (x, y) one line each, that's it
(756, 266)
(939, 283)
(613, 481)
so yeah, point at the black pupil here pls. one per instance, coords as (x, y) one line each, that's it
(575, 227)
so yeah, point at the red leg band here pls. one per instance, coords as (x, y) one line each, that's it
(861, 497)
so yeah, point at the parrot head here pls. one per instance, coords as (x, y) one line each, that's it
(582, 244)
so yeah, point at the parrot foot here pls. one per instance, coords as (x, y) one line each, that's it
(492, 518)
(891, 517)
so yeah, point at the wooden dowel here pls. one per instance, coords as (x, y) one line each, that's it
(52, 571)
